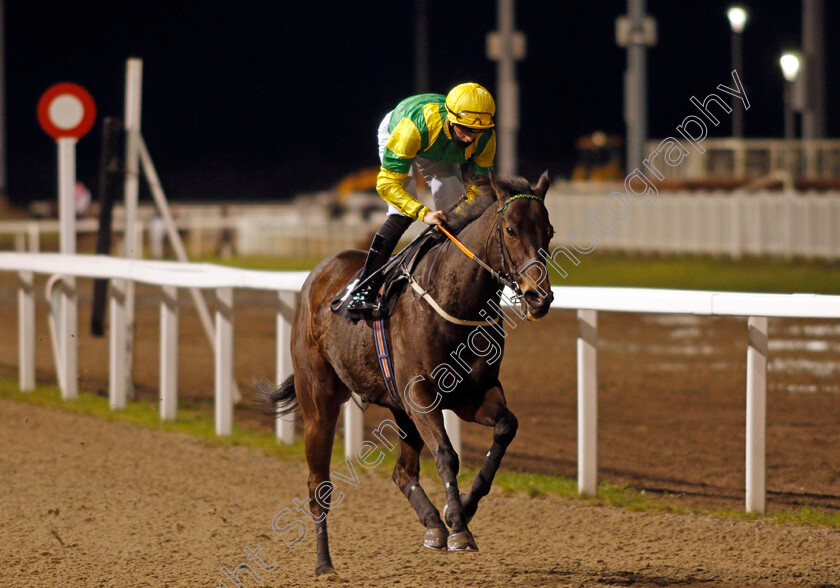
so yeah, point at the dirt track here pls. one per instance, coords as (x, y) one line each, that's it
(130, 507)
(90, 503)
(671, 393)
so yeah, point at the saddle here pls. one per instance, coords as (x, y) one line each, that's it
(395, 272)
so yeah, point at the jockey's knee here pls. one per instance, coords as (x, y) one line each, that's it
(393, 228)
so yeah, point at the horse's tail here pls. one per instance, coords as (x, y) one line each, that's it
(284, 399)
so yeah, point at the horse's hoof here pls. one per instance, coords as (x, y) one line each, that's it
(462, 541)
(446, 512)
(325, 570)
(435, 539)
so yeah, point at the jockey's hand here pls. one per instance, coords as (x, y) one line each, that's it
(434, 217)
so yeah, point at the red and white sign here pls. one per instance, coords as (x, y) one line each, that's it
(66, 111)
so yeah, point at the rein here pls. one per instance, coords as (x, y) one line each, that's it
(499, 277)
(507, 277)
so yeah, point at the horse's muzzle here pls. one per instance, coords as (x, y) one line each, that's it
(537, 304)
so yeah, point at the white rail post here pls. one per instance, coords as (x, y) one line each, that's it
(354, 430)
(26, 314)
(736, 231)
(285, 426)
(133, 106)
(787, 219)
(224, 361)
(33, 232)
(177, 244)
(756, 414)
(67, 212)
(26, 331)
(169, 353)
(452, 424)
(54, 288)
(587, 398)
(117, 381)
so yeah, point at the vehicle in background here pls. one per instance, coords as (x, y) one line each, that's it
(599, 158)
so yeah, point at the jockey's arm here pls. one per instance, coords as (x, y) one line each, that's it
(400, 151)
(389, 185)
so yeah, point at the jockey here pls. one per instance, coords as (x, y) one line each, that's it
(433, 135)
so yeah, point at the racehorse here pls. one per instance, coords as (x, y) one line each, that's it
(453, 351)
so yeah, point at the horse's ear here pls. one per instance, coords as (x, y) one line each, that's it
(499, 187)
(542, 185)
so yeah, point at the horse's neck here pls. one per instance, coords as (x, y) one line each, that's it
(459, 284)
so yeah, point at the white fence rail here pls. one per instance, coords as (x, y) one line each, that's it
(757, 158)
(734, 224)
(170, 276)
(586, 301)
(787, 224)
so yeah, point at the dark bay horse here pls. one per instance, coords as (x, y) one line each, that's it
(508, 227)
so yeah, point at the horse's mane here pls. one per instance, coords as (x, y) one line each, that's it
(464, 212)
(491, 184)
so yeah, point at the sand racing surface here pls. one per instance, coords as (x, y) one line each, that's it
(90, 503)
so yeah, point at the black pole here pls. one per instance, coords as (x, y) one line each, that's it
(4, 182)
(737, 106)
(110, 187)
(421, 47)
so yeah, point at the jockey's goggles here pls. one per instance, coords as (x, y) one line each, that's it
(470, 130)
(470, 118)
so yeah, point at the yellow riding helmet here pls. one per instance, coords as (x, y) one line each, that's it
(470, 105)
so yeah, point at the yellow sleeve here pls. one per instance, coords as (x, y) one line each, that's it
(488, 154)
(389, 185)
(404, 141)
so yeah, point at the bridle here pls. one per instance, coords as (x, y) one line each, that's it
(506, 277)
(510, 273)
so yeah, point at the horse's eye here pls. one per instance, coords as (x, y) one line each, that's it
(510, 231)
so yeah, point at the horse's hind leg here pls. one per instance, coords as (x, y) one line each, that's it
(320, 405)
(407, 478)
(494, 412)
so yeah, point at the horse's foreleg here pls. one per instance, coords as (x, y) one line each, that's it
(492, 412)
(407, 478)
(430, 426)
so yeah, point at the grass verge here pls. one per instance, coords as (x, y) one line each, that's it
(194, 420)
(685, 272)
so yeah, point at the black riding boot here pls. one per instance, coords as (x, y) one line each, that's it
(383, 245)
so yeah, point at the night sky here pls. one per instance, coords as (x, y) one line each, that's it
(264, 99)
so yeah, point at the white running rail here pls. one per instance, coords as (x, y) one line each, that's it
(586, 301)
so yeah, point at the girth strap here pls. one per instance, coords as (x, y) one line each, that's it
(385, 364)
